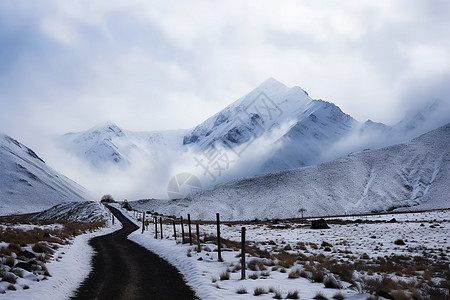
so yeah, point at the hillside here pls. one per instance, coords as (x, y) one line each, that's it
(28, 184)
(413, 175)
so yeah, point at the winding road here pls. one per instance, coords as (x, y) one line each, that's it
(124, 270)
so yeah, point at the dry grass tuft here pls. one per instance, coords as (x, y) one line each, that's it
(285, 259)
(42, 248)
(339, 296)
(256, 265)
(293, 295)
(320, 296)
(259, 291)
(293, 274)
(10, 261)
(225, 275)
(8, 277)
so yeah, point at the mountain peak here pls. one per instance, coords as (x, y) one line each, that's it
(271, 84)
(109, 126)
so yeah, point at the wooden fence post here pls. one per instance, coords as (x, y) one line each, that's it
(143, 222)
(219, 253)
(156, 227)
(243, 253)
(190, 232)
(197, 227)
(160, 226)
(182, 230)
(174, 230)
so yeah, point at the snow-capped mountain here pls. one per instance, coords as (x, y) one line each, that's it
(270, 129)
(265, 108)
(413, 176)
(28, 184)
(107, 144)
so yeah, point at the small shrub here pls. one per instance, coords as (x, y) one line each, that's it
(292, 295)
(12, 287)
(339, 296)
(225, 275)
(236, 268)
(399, 242)
(11, 278)
(293, 274)
(254, 276)
(5, 251)
(41, 248)
(326, 244)
(320, 296)
(26, 287)
(14, 247)
(259, 291)
(10, 261)
(241, 291)
(277, 294)
(304, 274)
(286, 259)
(256, 265)
(317, 276)
(331, 283)
(265, 274)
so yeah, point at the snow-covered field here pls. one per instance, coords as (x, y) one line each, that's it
(66, 268)
(363, 255)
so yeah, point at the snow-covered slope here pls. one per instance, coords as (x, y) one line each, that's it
(27, 184)
(107, 144)
(82, 211)
(272, 128)
(414, 175)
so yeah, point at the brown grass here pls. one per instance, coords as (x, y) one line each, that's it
(339, 296)
(256, 265)
(259, 291)
(292, 295)
(10, 261)
(225, 275)
(293, 274)
(17, 237)
(42, 248)
(285, 259)
(8, 277)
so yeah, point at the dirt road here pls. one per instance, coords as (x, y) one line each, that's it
(125, 270)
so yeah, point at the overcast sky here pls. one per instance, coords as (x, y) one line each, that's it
(155, 65)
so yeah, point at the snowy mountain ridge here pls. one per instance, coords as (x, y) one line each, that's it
(275, 127)
(411, 176)
(28, 184)
(107, 144)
